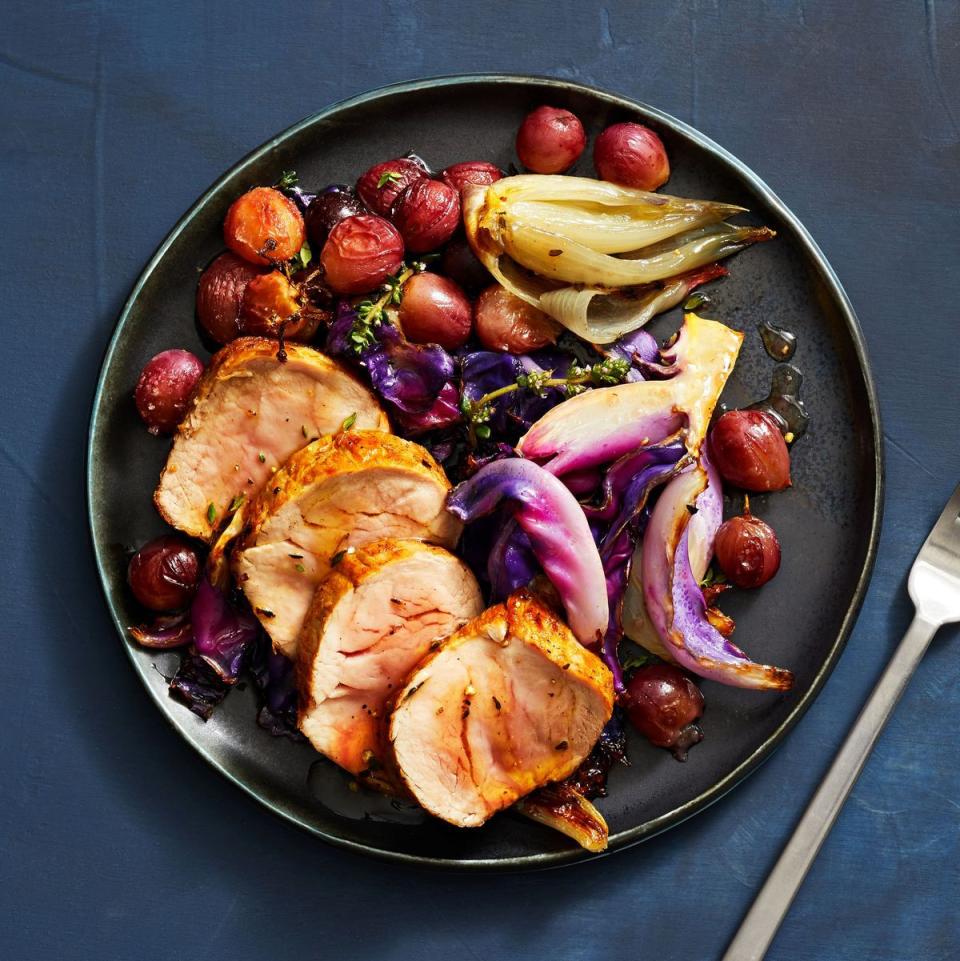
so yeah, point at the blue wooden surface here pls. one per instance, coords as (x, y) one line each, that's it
(116, 840)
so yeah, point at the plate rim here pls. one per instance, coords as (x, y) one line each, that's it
(748, 765)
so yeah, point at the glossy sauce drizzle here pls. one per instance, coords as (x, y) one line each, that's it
(779, 343)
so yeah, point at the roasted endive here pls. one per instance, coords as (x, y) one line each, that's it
(600, 259)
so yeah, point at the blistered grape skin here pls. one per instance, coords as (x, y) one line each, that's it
(631, 155)
(380, 186)
(220, 296)
(327, 210)
(479, 172)
(360, 253)
(550, 140)
(164, 389)
(506, 323)
(434, 310)
(427, 215)
(664, 704)
(749, 451)
(264, 227)
(747, 551)
(163, 575)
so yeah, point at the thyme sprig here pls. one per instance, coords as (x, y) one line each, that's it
(372, 313)
(605, 373)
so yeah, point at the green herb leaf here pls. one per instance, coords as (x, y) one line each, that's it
(262, 457)
(287, 179)
(633, 657)
(348, 422)
(236, 503)
(211, 513)
(340, 555)
(300, 568)
(388, 177)
(696, 301)
(303, 258)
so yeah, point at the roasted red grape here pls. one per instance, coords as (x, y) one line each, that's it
(663, 704)
(164, 574)
(264, 226)
(434, 310)
(380, 186)
(220, 295)
(631, 155)
(271, 305)
(427, 213)
(360, 253)
(505, 322)
(461, 265)
(328, 209)
(747, 550)
(480, 172)
(749, 451)
(165, 387)
(550, 140)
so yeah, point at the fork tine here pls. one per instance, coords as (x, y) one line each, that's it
(946, 526)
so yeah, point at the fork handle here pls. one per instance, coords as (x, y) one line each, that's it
(777, 894)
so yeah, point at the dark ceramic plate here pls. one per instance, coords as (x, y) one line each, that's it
(828, 520)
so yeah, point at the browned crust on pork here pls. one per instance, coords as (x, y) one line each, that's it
(345, 452)
(229, 361)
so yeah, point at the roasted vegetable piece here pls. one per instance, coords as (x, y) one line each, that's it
(557, 529)
(597, 257)
(675, 602)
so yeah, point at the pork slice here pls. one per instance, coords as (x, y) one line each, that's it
(250, 413)
(372, 619)
(338, 493)
(508, 703)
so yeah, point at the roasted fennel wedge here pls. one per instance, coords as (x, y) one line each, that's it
(600, 259)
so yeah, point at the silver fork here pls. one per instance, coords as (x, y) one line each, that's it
(934, 587)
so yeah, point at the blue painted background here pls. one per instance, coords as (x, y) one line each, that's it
(116, 841)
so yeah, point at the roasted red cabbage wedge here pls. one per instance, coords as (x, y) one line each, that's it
(605, 423)
(674, 598)
(599, 258)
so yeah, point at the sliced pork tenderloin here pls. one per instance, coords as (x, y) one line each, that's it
(510, 702)
(250, 412)
(338, 493)
(372, 619)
